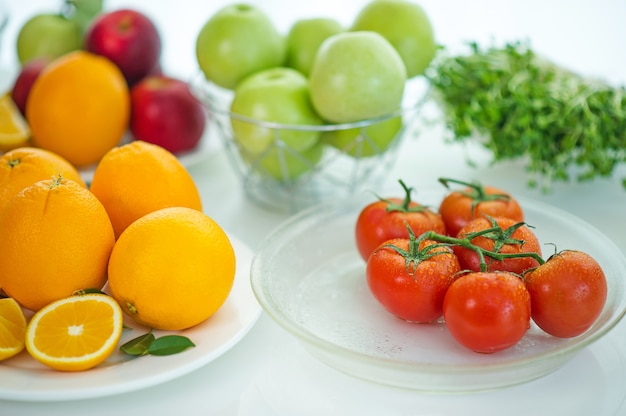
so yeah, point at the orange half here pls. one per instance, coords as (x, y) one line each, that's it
(14, 130)
(75, 333)
(12, 328)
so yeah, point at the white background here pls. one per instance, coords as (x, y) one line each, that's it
(268, 373)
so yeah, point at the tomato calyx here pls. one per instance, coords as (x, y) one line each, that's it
(495, 232)
(475, 191)
(405, 205)
(414, 255)
(499, 236)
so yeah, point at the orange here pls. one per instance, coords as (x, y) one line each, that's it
(56, 239)
(14, 130)
(137, 178)
(75, 333)
(24, 166)
(172, 268)
(12, 328)
(79, 107)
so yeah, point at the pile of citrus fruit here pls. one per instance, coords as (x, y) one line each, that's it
(76, 256)
(137, 236)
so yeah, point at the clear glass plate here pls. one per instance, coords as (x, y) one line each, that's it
(309, 277)
(22, 378)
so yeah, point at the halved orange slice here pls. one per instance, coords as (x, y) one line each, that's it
(75, 333)
(12, 328)
(14, 130)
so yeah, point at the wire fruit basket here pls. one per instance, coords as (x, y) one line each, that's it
(348, 158)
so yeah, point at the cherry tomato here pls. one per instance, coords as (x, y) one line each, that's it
(487, 311)
(508, 241)
(411, 286)
(568, 293)
(386, 219)
(460, 207)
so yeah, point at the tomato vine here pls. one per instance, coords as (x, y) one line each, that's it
(495, 232)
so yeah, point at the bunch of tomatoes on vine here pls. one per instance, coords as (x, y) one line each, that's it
(475, 262)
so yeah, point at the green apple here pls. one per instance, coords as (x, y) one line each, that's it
(83, 12)
(370, 140)
(356, 76)
(304, 39)
(411, 32)
(275, 95)
(238, 41)
(284, 164)
(47, 36)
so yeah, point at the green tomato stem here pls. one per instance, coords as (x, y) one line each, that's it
(405, 205)
(466, 242)
(476, 191)
(414, 255)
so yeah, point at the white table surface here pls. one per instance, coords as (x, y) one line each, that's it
(268, 372)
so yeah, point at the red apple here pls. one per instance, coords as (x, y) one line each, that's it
(25, 79)
(129, 39)
(164, 112)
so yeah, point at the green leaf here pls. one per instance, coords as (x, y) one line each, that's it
(139, 345)
(169, 344)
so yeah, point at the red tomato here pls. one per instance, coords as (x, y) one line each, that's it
(487, 312)
(567, 292)
(470, 260)
(386, 219)
(460, 207)
(411, 290)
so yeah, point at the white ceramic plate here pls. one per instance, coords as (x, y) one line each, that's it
(309, 277)
(24, 379)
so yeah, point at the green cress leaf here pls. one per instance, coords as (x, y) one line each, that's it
(138, 345)
(169, 344)
(524, 106)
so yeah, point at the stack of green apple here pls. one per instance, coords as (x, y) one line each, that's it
(319, 85)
